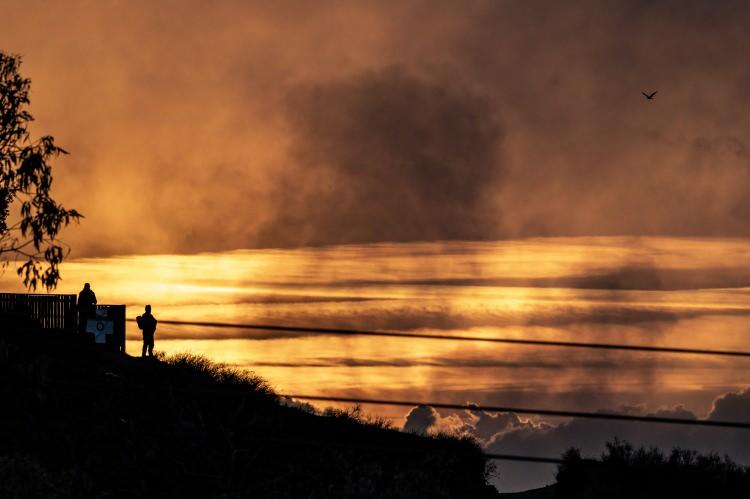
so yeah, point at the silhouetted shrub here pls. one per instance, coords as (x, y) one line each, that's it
(218, 374)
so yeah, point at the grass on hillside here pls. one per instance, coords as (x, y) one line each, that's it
(85, 422)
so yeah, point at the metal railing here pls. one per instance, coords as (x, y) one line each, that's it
(49, 311)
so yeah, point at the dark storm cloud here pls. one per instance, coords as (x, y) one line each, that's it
(507, 433)
(287, 299)
(388, 156)
(205, 126)
(420, 419)
(558, 361)
(732, 407)
(629, 277)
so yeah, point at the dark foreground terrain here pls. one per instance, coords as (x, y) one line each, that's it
(78, 421)
(625, 472)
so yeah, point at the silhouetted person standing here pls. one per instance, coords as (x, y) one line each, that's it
(147, 324)
(86, 306)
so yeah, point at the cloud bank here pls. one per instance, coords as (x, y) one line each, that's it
(387, 156)
(510, 434)
(196, 126)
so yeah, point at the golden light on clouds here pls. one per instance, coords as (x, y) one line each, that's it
(648, 291)
(208, 127)
(485, 168)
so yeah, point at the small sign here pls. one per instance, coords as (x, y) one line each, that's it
(100, 328)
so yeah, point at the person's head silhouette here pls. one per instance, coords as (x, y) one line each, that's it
(148, 309)
(86, 286)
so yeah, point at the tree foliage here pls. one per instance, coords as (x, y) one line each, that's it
(29, 237)
(626, 472)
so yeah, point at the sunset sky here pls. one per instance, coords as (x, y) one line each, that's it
(478, 167)
(209, 126)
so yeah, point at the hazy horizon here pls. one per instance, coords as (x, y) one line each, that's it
(679, 292)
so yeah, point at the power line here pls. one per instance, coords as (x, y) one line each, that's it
(540, 412)
(513, 341)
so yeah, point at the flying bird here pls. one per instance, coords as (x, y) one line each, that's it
(649, 97)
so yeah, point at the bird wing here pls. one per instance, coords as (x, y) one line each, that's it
(652, 95)
(645, 95)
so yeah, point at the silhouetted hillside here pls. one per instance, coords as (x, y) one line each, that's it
(76, 421)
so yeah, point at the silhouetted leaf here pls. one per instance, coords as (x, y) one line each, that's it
(26, 178)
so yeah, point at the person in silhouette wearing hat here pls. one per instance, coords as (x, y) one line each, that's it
(147, 324)
(86, 306)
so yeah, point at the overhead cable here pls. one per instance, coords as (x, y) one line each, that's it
(512, 341)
